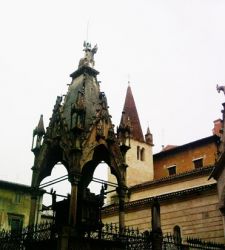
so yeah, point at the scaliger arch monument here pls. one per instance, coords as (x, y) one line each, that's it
(80, 135)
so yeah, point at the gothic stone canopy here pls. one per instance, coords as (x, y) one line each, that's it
(80, 133)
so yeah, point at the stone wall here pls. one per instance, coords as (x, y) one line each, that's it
(13, 203)
(168, 187)
(138, 170)
(197, 216)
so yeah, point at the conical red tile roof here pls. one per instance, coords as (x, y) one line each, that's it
(132, 114)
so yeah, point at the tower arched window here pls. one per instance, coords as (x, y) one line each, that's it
(138, 152)
(142, 154)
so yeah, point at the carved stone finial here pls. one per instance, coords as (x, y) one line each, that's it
(220, 88)
(87, 46)
(88, 59)
(38, 132)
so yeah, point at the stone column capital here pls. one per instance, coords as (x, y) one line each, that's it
(74, 178)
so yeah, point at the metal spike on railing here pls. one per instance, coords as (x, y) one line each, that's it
(116, 229)
(107, 227)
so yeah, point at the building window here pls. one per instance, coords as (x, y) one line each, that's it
(138, 152)
(198, 163)
(142, 154)
(18, 197)
(15, 222)
(172, 170)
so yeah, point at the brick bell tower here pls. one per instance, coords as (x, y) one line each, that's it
(80, 135)
(139, 158)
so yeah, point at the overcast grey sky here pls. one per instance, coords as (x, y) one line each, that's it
(173, 52)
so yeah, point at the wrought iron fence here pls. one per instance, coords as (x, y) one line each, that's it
(44, 236)
(31, 237)
(172, 242)
(130, 237)
(27, 236)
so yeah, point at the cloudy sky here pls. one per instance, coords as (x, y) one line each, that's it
(172, 51)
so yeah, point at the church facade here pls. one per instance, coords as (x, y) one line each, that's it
(178, 177)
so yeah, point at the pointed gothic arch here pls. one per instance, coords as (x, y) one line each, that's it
(48, 156)
(100, 153)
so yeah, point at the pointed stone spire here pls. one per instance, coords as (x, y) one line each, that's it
(148, 137)
(40, 129)
(130, 115)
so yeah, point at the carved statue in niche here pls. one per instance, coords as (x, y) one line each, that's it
(88, 59)
(111, 134)
(100, 128)
(58, 126)
(78, 111)
(104, 106)
(99, 123)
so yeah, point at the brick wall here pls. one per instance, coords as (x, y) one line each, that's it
(184, 159)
